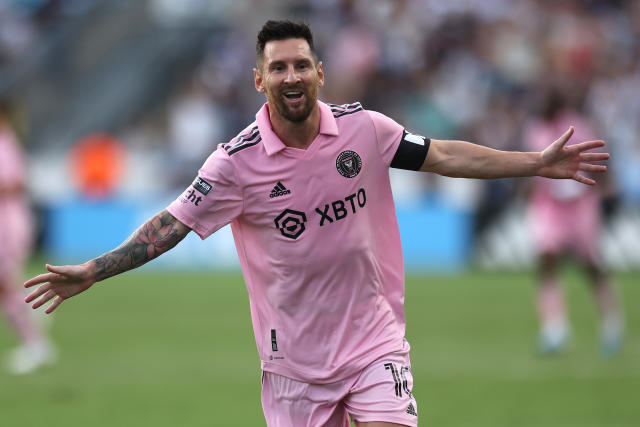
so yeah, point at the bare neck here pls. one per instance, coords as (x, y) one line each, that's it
(296, 134)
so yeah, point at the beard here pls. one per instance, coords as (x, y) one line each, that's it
(295, 114)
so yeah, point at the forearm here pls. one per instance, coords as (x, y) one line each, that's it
(462, 159)
(152, 239)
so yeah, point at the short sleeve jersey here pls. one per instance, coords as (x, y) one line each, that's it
(317, 238)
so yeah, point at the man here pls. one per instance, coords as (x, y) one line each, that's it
(16, 235)
(566, 219)
(306, 190)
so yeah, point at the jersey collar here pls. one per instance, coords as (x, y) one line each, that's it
(270, 140)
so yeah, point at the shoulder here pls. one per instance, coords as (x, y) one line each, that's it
(348, 111)
(247, 138)
(354, 114)
(383, 123)
(345, 109)
(224, 160)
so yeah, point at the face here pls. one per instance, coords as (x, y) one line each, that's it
(290, 78)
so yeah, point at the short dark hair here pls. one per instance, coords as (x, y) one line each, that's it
(283, 30)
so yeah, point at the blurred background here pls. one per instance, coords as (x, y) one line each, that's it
(153, 85)
(118, 103)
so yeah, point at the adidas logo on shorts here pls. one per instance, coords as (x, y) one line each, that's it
(279, 190)
(411, 410)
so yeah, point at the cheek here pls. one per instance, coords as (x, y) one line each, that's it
(315, 85)
(266, 87)
(271, 85)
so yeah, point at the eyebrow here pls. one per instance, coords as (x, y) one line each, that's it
(295, 61)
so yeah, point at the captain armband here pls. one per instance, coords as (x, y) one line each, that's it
(411, 152)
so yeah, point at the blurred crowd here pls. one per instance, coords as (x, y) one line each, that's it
(23, 24)
(456, 69)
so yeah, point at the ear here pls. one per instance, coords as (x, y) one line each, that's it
(258, 81)
(320, 71)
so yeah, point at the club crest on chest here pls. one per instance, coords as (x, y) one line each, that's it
(348, 163)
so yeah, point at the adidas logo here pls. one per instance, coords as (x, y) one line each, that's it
(411, 410)
(279, 190)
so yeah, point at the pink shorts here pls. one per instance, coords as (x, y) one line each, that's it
(380, 392)
(572, 226)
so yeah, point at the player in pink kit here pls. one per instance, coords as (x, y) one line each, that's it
(566, 218)
(306, 191)
(15, 235)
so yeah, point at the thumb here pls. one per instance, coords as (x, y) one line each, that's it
(565, 137)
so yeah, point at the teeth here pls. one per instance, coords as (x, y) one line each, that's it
(293, 93)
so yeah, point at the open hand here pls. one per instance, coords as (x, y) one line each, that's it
(60, 283)
(561, 161)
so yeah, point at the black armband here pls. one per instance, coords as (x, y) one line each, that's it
(411, 153)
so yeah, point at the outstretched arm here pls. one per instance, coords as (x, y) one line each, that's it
(466, 160)
(152, 239)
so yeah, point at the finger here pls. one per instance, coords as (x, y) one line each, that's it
(584, 179)
(46, 297)
(59, 269)
(54, 305)
(565, 136)
(588, 145)
(41, 278)
(592, 168)
(593, 157)
(35, 294)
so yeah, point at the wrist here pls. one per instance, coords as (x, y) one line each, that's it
(537, 162)
(91, 269)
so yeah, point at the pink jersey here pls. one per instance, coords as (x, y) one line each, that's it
(317, 238)
(565, 214)
(15, 227)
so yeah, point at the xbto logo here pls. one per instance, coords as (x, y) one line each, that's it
(291, 223)
(339, 209)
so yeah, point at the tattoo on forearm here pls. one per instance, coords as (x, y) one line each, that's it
(152, 239)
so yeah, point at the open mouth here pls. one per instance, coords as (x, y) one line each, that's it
(293, 95)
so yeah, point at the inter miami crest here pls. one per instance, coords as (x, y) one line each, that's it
(349, 163)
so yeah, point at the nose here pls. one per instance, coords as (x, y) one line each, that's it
(292, 76)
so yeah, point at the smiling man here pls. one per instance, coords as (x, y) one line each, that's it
(293, 95)
(306, 190)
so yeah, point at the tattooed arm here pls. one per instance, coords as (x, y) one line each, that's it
(152, 239)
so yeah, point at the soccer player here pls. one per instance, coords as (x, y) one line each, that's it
(566, 219)
(15, 237)
(306, 190)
